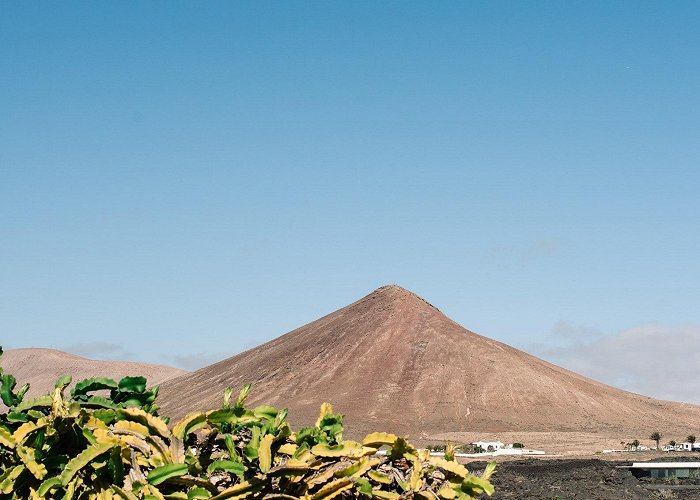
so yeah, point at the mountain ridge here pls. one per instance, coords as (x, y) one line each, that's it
(393, 361)
(41, 367)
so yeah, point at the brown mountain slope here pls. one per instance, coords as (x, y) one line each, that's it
(41, 368)
(391, 361)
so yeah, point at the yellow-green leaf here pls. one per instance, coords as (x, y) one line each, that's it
(386, 495)
(127, 426)
(189, 424)
(333, 489)
(126, 495)
(28, 457)
(323, 476)
(291, 468)
(379, 477)
(150, 492)
(349, 449)
(489, 470)
(48, 485)
(287, 448)
(265, 411)
(195, 493)
(326, 409)
(363, 486)
(165, 472)
(82, 459)
(154, 423)
(225, 416)
(416, 480)
(446, 492)
(453, 467)
(7, 480)
(241, 490)
(477, 485)
(26, 429)
(265, 452)
(377, 439)
(227, 466)
(72, 487)
(6, 438)
(41, 402)
(358, 468)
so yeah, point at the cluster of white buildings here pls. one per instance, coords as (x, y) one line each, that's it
(667, 448)
(489, 449)
(682, 447)
(497, 448)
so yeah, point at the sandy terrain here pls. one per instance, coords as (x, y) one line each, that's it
(41, 368)
(562, 444)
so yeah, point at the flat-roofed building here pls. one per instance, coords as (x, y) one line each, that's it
(665, 470)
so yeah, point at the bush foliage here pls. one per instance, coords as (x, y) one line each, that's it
(106, 440)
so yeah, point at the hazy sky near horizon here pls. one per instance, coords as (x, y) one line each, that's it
(187, 180)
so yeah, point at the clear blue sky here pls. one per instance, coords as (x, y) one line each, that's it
(191, 179)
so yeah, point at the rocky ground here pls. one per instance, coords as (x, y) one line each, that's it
(580, 479)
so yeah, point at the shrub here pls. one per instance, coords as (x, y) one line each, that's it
(116, 446)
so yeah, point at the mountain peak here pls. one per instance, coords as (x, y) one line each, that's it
(397, 293)
(392, 361)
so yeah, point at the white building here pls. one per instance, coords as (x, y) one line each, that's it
(489, 445)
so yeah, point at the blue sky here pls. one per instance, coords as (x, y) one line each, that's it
(187, 180)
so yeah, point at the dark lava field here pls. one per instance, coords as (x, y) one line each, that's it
(589, 479)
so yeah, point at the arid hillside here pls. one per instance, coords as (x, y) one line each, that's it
(392, 361)
(41, 368)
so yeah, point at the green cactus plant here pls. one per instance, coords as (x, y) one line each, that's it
(89, 445)
(7, 386)
(129, 392)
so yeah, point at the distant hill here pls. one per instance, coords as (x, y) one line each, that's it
(391, 361)
(41, 368)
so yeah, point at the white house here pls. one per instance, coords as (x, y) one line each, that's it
(689, 446)
(489, 445)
